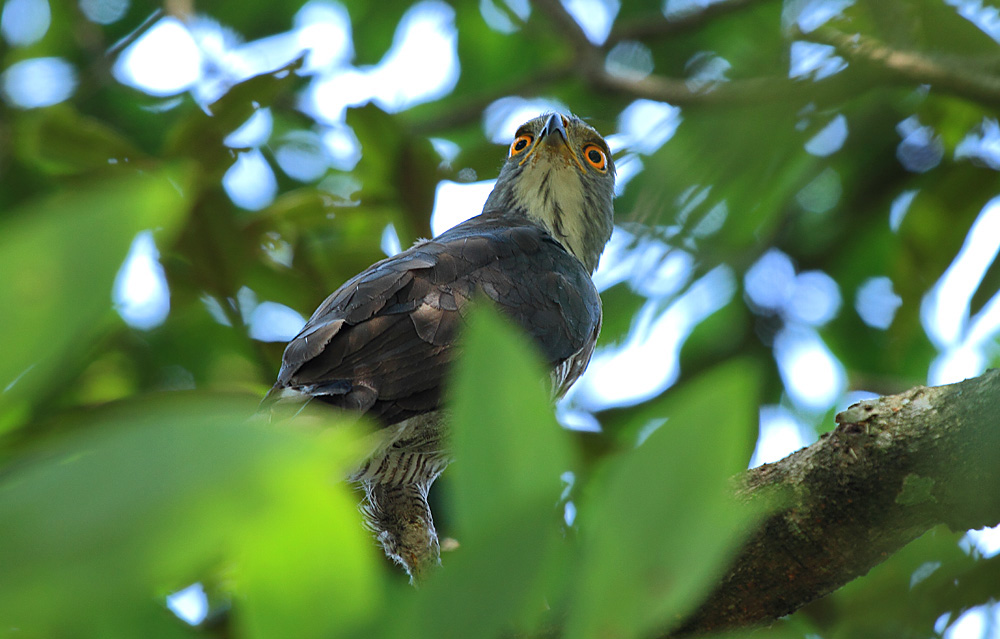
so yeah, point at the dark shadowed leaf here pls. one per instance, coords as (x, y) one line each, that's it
(61, 141)
(201, 135)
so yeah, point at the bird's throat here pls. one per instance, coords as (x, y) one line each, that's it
(555, 198)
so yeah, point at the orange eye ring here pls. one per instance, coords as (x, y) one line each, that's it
(520, 144)
(596, 157)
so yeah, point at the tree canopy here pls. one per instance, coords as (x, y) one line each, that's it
(807, 217)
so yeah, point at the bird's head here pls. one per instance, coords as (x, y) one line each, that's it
(559, 173)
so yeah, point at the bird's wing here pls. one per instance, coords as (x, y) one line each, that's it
(382, 342)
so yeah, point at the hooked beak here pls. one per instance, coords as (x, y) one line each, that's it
(553, 139)
(553, 132)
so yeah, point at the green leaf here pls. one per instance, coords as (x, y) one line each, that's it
(200, 136)
(906, 594)
(659, 524)
(510, 451)
(154, 494)
(375, 27)
(509, 455)
(621, 304)
(59, 256)
(398, 169)
(60, 141)
(309, 563)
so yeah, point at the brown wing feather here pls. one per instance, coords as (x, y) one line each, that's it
(383, 341)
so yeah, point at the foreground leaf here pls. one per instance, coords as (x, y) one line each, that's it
(659, 526)
(509, 455)
(59, 256)
(154, 494)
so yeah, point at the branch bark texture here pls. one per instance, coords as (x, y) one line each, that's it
(893, 468)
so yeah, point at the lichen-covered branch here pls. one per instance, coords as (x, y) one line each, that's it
(893, 468)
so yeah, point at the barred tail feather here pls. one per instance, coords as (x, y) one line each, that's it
(402, 522)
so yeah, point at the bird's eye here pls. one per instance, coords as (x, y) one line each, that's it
(521, 143)
(596, 157)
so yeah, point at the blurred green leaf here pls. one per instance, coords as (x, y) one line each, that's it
(374, 28)
(200, 135)
(509, 455)
(397, 169)
(153, 494)
(756, 171)
(60, 255)
(621, 303)
(901, 597)
(308, 564)
(491, 58)
(659, 524)
(61, 141)
(510, 450)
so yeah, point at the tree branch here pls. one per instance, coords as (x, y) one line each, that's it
(893, 468)
(738, 92)
(949, 75)
(589, 65)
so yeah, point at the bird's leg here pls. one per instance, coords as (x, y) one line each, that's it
(402, 520)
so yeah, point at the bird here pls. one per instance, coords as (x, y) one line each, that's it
(381, 345)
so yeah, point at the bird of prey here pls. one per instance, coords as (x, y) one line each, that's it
(382, 343)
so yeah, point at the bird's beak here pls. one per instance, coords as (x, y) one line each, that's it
(554, 132)
(553, 139)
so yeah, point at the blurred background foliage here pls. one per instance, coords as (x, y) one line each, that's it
(807, 215)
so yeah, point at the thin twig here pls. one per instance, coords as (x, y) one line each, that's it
(568, 27)
(471, 109)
